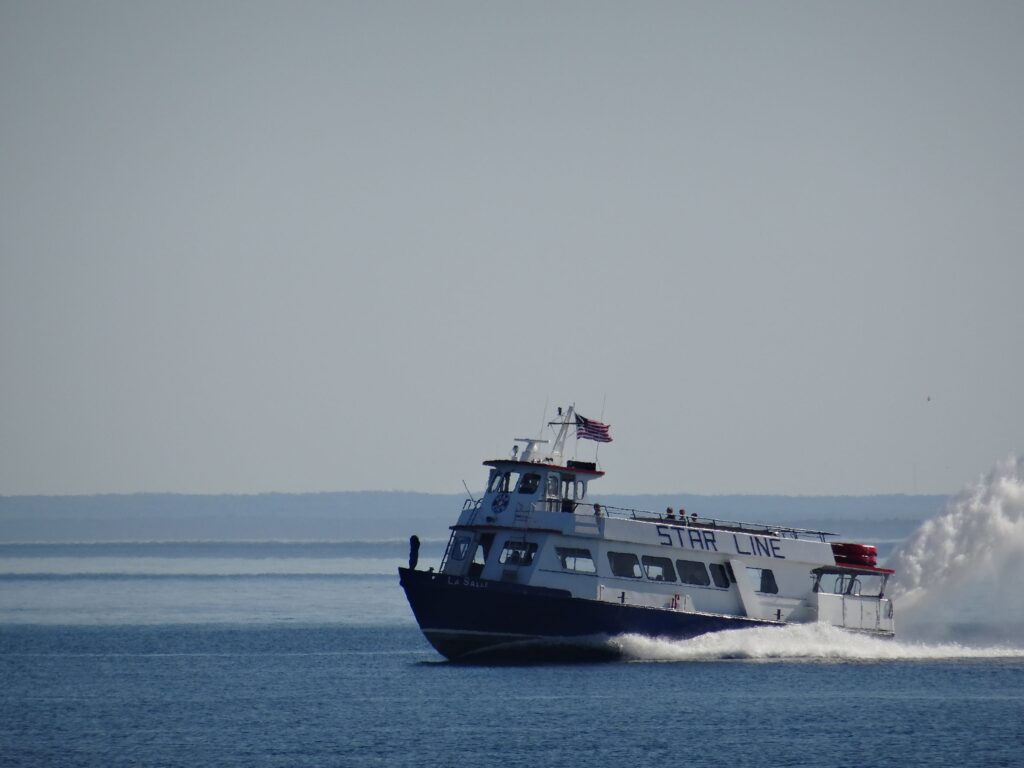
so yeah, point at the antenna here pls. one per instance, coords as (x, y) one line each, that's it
(468, 492)
(563, 430)
(543, 418)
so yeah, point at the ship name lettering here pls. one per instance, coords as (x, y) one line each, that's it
(464, 582)
(696, 539)
(760, 547)
(701, 539)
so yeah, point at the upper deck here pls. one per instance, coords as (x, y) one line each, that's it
(536, 491)
(584, 469)
(472, 508)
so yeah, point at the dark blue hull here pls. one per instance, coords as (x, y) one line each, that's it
(466, 618)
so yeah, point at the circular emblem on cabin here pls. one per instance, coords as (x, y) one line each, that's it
(500, 503)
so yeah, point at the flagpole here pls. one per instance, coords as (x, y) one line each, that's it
(597, 448)
(575, 434)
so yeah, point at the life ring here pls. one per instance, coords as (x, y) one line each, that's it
(854, 549)
(500, 503)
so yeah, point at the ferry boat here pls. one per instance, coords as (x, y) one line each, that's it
(538, 563)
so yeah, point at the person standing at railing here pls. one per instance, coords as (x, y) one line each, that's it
(414, 552)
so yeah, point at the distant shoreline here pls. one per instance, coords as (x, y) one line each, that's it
(386, 515)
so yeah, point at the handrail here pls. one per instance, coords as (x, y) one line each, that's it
(472, 505)
(784, 531)
(629, 513)
(447, 549)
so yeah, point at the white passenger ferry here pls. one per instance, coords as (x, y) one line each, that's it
(539, 563)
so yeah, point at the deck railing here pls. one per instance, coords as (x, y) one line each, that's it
(696, 521)
(629, 513)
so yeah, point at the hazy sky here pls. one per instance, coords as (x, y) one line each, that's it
(331, 246)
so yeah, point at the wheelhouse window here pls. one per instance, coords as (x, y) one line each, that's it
(573, 489)
(553, 485)
(502, 482)
(624, 564)
(718, 574)
(694, 572)
(764, 580)
(459, 547)
(483, 549)
(529, 483)
(576, 560)
(659, 568)
(516, 553)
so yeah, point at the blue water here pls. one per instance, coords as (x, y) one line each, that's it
(288, 655)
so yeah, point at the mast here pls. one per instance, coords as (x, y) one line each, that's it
(568, 419)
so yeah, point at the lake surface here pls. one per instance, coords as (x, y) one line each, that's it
(292, 654)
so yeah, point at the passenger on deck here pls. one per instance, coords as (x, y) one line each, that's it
(414, 552)
(669, 514)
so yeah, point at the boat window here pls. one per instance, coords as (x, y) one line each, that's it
(827, 583)
(517, 553)
(479, 555)
(501, 482)
(659, 568)
(834, 583)
(459, 547)
(529, 483)
(867, 585)
(719, 575)
(553, 486)
(862, 585)
(694, 572)
(578, 560)
(764, 580)
(624, 564)
(486, 541)
(476, 565)
(573, 488)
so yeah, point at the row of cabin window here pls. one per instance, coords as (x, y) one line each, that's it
(514, 553)
(627, 565)
(506, 482)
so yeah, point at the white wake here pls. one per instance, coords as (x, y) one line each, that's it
(799, 642)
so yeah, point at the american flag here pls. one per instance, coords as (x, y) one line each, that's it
(588, 429)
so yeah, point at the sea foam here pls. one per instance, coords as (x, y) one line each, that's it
(966, 565)
(799, 642)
